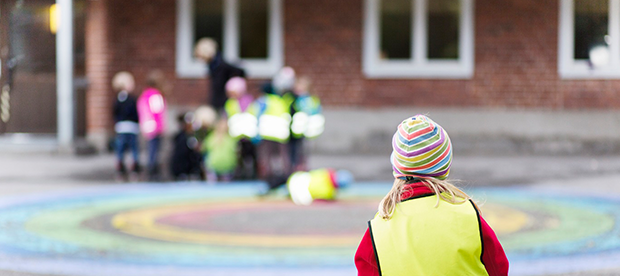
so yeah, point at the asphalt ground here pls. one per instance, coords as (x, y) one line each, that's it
(589, 182)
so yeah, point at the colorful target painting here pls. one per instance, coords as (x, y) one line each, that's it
(195, 229)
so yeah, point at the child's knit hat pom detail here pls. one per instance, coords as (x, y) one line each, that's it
(421, 148)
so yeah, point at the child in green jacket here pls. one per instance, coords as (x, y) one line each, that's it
(220, 147)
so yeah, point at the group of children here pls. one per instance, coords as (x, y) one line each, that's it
(250, 138)
(143, 115)
(259, 138)
(423, 212)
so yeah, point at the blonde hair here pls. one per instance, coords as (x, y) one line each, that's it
(205, 48)
(123, 81)
(444, 189)
(303, 84)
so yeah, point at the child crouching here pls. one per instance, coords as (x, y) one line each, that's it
(185, 161)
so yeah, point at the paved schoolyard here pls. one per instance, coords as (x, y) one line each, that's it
(61, 215)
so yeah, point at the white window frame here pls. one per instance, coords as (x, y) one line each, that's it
(419, 66)
(187, 66)
(568, 67)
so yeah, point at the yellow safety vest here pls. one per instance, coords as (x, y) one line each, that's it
(305, 187)
(307, 121)
(421, 239)
(240, 124)
(275, 122)
(309, 126)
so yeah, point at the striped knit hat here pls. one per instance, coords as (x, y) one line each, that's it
(422, 148)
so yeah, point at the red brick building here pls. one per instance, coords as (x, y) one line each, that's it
(525, 54)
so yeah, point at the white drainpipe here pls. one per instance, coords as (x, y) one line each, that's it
(64, 75)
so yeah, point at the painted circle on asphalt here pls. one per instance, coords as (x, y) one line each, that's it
(191, 229)
(210, 224)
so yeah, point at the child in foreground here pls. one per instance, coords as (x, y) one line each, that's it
(425, 225)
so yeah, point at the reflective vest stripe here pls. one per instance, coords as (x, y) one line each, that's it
(316, 125)
(305, 187)
(308, 126)
(274, 128)
(421, 239)
(308, 121)
(300, 124)
(240, 124)
(298, 186)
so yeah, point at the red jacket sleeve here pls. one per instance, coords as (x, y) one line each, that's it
(493, 255)
(365, 259)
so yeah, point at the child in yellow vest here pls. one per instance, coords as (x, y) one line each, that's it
(307, 122)
(425, 225)
(321, 184)
(243, 126)
(274, 124)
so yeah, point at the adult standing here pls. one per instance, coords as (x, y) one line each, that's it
(220, 71)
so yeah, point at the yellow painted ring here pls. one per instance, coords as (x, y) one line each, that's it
(505, 220)
(143, 223)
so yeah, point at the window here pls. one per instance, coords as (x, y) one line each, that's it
(589, 39)
(249, 32)
(395, 29)
(418, 39)
(253, 15)
(208, 20)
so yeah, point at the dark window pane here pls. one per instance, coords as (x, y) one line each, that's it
(253, 24)
(591, 23)
(396, 29)
(208, 20)
(443, 29)
(79, 31)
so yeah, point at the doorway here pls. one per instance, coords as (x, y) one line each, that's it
(28, 66)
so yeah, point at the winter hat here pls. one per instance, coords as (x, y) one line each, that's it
(237, 84)
(284, 79)
(422, 148)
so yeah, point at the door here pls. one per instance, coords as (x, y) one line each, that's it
(28, 61)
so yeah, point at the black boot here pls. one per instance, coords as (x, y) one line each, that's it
(121, 172)
(134, 176)
(153, 173)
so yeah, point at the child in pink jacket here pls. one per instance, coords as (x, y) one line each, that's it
(152, 114)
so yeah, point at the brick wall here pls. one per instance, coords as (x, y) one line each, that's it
(323, 40)
(516, 54)
(98, 61)
(515, 58)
